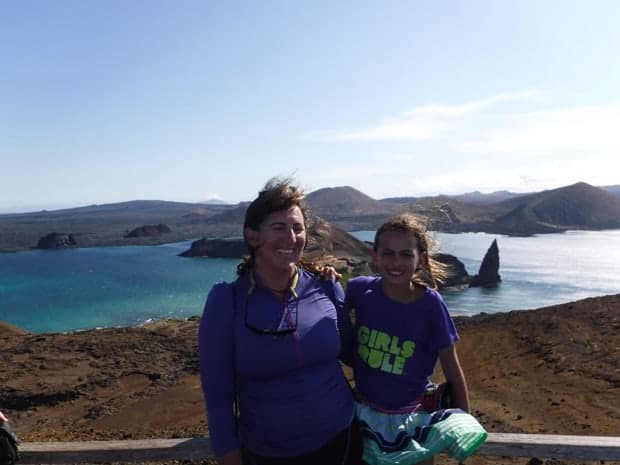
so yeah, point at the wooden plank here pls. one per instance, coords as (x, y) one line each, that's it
(552, 446)
(115, 451)
(498, 444)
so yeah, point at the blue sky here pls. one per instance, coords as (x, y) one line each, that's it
(106, 101)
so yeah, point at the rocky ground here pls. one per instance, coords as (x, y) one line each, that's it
(552, 370)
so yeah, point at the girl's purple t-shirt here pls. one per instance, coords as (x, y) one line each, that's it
(396, 345)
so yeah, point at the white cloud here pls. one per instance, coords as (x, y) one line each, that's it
(516, 141)
(585, 128)
(212, 196)
(546, 174)
(490, 125)
(424, 122)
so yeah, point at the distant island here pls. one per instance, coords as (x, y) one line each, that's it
(148, 222)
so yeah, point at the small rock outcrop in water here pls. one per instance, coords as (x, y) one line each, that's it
(56, 241)
(217, 248)
(149, 230)
(488, 274)
(457, 274)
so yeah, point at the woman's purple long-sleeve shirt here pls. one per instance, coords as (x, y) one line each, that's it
(292, 394)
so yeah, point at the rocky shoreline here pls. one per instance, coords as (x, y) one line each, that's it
(551, 370)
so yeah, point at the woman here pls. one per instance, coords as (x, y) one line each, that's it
(269, 345)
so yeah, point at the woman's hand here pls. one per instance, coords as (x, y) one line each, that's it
(231, 458)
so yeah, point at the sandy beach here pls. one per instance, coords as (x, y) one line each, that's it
(551, 370)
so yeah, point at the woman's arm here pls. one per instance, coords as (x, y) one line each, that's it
(329, 280)
(217, 372)
(345, 326)
(454, 375)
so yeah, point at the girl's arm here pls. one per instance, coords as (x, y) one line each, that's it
(454, 375)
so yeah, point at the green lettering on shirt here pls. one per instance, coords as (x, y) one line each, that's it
(382, 351)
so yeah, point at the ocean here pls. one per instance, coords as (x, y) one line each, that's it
(76, 289)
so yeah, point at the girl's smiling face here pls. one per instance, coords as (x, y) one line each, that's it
(397, 257)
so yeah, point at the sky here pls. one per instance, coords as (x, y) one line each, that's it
(106, 101)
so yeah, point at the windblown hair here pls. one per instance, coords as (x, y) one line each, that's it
(278, 194)
(430, 272)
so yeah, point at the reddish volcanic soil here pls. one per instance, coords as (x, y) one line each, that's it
(552, 370)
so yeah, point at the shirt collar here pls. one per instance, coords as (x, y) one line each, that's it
(292, 288)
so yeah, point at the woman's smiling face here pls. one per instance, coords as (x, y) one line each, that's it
(280, 241)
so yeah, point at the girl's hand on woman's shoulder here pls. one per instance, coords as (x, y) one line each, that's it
(329, 273)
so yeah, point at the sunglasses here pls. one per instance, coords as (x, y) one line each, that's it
(289, 327)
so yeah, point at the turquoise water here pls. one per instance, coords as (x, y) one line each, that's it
(66, 290)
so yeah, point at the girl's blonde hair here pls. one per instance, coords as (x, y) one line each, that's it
(430, 272)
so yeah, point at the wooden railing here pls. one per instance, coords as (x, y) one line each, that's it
(160, 450)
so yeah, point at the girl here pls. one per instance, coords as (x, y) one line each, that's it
(402, 327)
